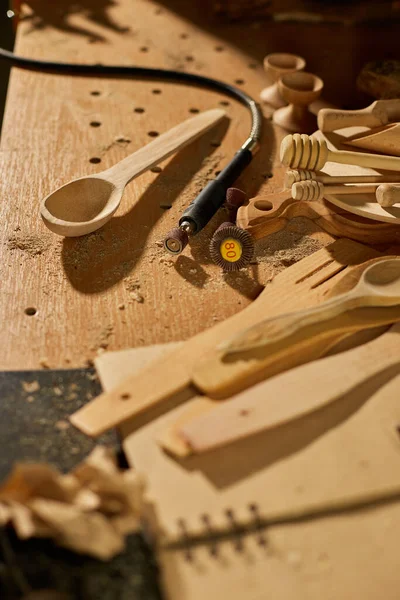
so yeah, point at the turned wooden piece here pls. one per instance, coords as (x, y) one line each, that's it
(376, 114)
(316, 190)
(388, 194)
(275, 66)
(294, 175)
(299, 90)
(305, 152)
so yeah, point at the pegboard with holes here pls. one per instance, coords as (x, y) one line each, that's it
(67, 300)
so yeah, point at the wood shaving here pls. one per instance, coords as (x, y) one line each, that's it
(30, 386)
(57, 391)
(132, 285)
(89, 510)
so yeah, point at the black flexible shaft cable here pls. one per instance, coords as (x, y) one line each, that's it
(212, 197)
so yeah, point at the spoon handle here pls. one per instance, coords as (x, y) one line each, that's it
(279, 329)
(162, 147)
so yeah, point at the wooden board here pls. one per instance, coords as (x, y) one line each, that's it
(324, 459)
(78, 285)
(87, 292)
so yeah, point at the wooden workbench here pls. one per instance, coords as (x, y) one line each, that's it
(87, 291)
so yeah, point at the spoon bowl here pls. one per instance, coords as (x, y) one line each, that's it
(81, 206)
(86, 204)
(383, 281)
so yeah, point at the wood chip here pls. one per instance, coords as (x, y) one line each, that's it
(90, 510)
(31, 386)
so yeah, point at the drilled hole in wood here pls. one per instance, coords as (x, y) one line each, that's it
(219, 48)
(239, 81)
(95, 93)
(144, 49)
(184, 36)
(156, 91)
(189, 58)
(224, 103)
(30, 311)
(153, 133)
(156, 169)
(95, 123)
(194, 110)
(215, 144)
(125, 396)
(263, 205)
(139, 110)
(95, 160)
(253, 66)
(244, 412)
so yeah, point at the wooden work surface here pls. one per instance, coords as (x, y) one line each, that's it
(88, 292)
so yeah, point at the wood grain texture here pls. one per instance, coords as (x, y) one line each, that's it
(88, 292)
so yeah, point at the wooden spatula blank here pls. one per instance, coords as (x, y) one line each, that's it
(221, 376)
(172, 373)
(293, 394)
(385, 140)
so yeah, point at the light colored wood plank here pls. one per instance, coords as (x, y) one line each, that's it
(292, 395)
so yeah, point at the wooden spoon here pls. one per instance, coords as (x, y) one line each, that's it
(379, 285)
(86, 204)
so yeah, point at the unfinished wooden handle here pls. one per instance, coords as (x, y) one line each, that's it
(305, 152)
(295, 175)
(388, 194)
(315, 190)
(276, 330)
(330, 120)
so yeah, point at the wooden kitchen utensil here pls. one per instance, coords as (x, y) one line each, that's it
(385, 140)
(243, 361)
(305, 152)
(387, 194)
(377, 114)
(275, 66)
(299, 89)
(293, 394)
(315, 190)
(172, 374)
(378, 286)
(268, 214)
(295, 175)
(86, 204)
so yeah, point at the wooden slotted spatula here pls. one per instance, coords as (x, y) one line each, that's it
(293, 394)
(243, 360)
(171, 374)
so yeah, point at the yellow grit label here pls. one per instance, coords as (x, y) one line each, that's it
(231, 250)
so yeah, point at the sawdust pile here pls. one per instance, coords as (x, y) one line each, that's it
(32, 245)
(286, 247)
